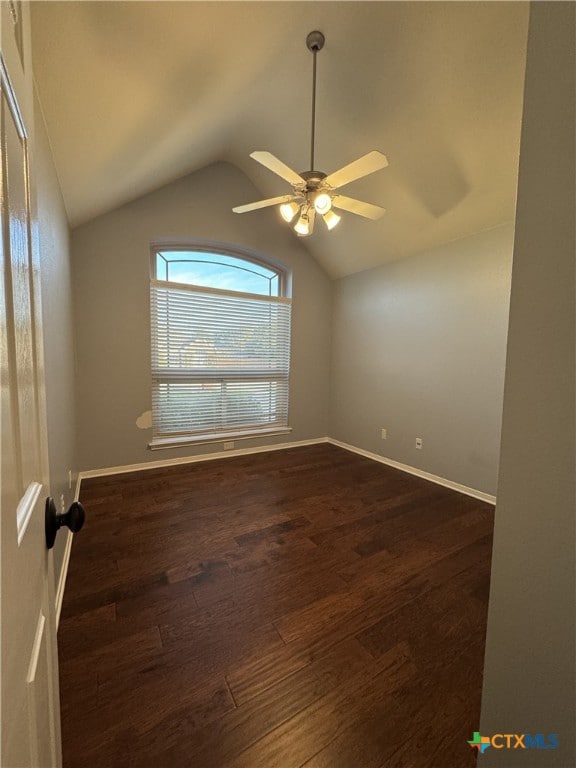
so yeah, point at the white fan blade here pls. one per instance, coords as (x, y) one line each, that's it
(264, 203)
(365, 165)
(278, 167)
(358, 207)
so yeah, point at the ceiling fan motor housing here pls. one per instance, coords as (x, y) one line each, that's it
(313, 179)
(317, 193)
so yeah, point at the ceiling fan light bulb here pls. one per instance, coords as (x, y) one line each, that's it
(322, 202)
(302, 226)
(288, 211)
(331, 219)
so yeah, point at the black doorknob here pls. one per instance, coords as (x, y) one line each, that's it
(73, 519)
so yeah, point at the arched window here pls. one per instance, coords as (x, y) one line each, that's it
(220, 344)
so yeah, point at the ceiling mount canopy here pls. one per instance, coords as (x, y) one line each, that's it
(313, 191)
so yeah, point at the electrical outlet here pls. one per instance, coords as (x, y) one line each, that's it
(384, 433)
(228, 445)
(69, 479)
(419, 443)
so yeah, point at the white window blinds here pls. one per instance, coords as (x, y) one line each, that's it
(220, 361)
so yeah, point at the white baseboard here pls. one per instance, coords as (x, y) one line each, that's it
(63, 574)
(77, 489)
(418, 472)
(120, 470)
(65, 561)
(200, 457)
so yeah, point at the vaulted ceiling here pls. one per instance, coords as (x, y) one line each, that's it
(137, 94)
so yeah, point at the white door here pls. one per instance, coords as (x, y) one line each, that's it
(29, 673)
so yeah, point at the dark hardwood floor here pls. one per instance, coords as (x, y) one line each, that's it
(300, 608)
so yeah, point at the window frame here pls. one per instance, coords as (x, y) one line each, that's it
(284, 276)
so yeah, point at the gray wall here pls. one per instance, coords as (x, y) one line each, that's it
(53, 238)
(529, 668)
(111, 289)
(419, 348)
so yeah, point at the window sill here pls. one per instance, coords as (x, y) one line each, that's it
(159, 443)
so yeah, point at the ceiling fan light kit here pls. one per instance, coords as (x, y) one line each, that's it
(314, 191)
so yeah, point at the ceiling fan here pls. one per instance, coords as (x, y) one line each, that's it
(313, 191)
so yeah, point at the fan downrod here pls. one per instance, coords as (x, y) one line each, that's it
(315, 41)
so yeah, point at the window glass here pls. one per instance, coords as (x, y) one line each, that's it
(216, 270)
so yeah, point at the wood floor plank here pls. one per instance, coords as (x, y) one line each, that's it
(120, 652)
(318, 724)
(219, 743)
(304, 607)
